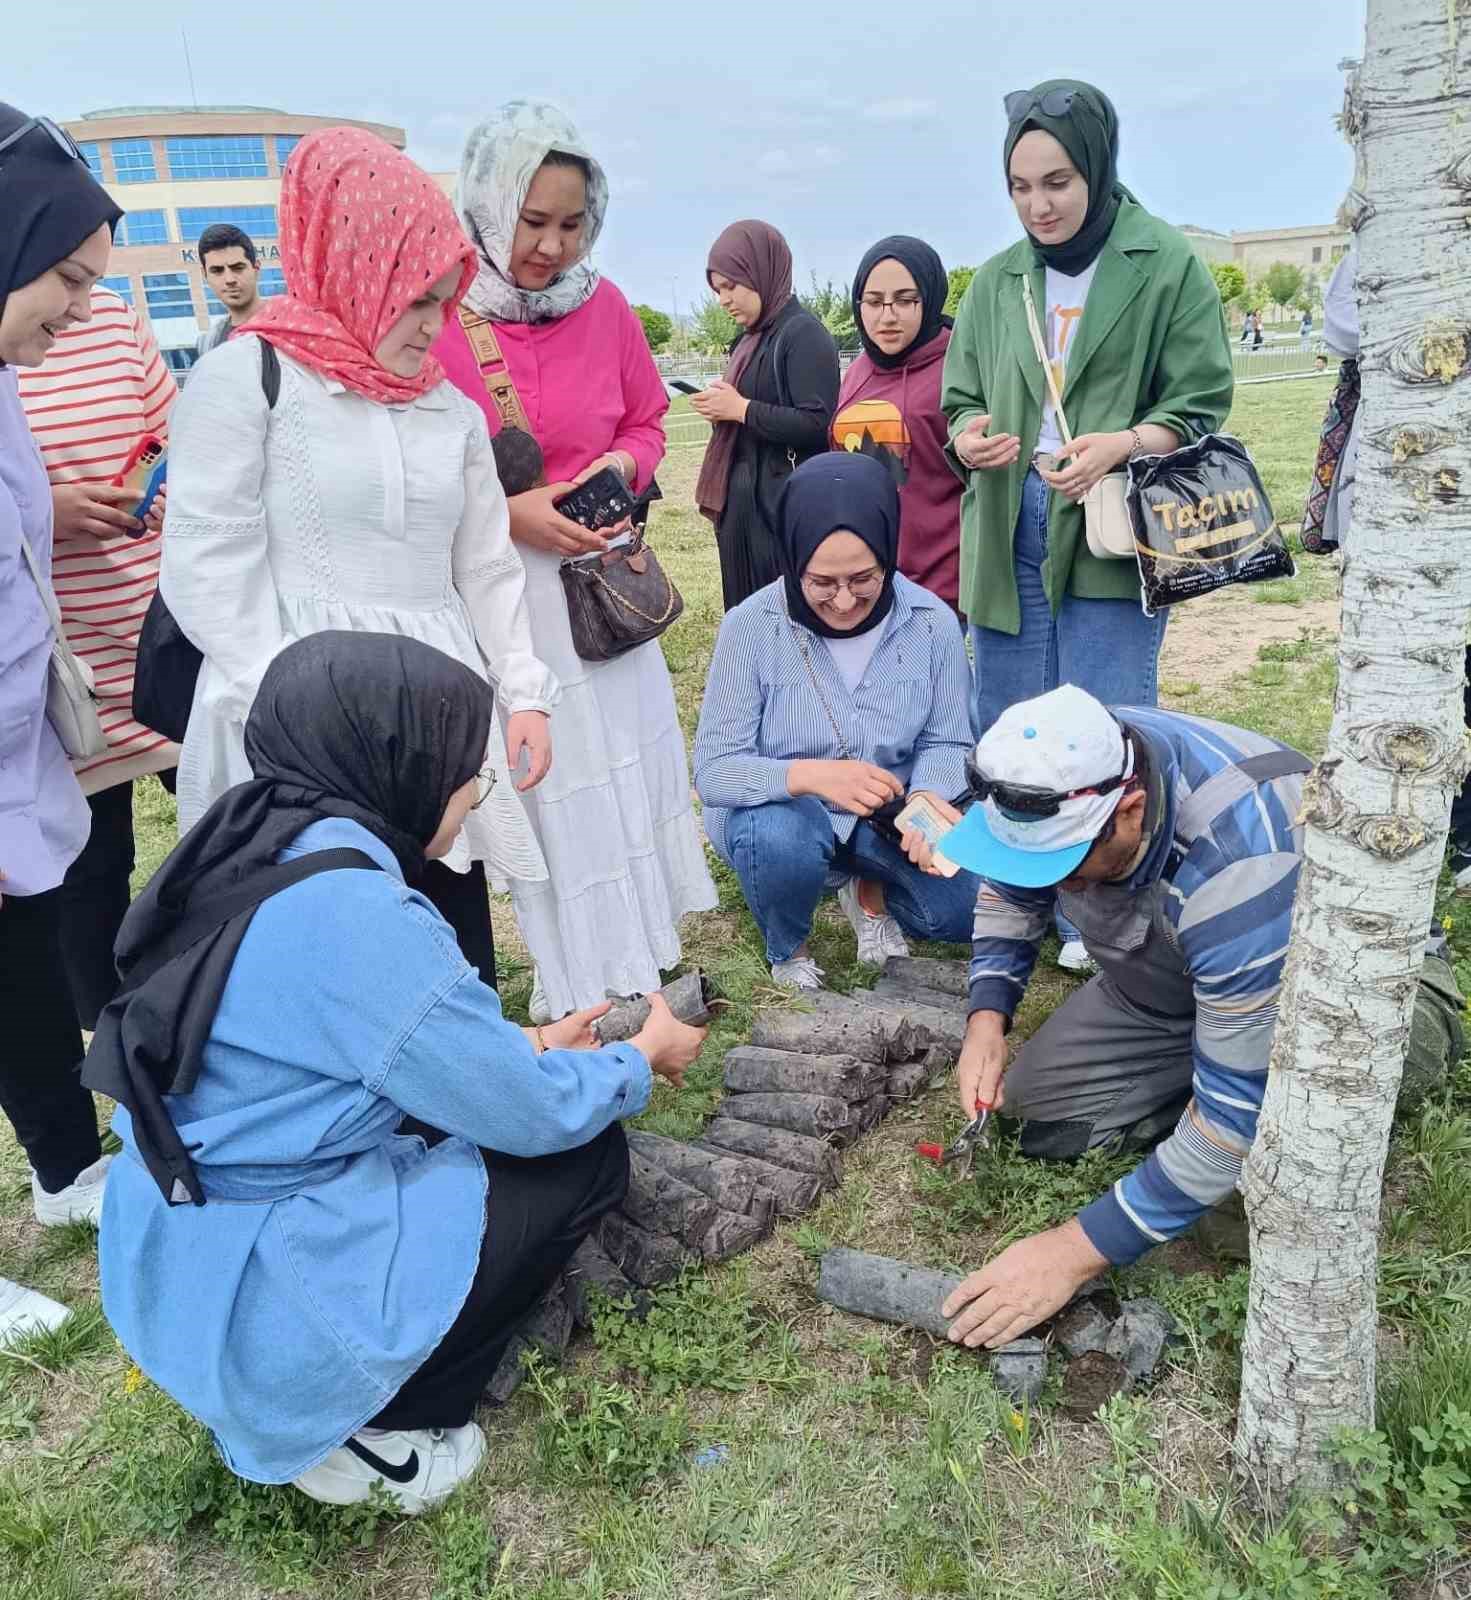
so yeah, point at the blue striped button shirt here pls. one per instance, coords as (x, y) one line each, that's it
(1228, 900)
(764, 709)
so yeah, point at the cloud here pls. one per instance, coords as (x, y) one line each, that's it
(780, 162)
(901, 110)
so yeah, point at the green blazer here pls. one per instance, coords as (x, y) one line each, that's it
(1151, 347)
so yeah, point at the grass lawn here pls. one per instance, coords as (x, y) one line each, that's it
(749, 1442)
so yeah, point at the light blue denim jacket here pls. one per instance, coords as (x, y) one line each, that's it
(333, 1253)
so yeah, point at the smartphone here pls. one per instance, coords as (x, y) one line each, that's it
(605, 499)
(143, 473)
(685, 386)
(920, 814)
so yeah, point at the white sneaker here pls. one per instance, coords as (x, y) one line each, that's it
(26, 1311)
(801, 973)
(879, 937)
(1074, 957)
(80, 1201)
(417, 1467)
(1461, 881)
(537, 1008)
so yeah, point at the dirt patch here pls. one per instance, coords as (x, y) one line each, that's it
(1212, 639)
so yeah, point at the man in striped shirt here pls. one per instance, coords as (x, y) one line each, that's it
(101, 387)
(1173, 844)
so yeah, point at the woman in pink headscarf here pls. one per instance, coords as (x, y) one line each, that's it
(335, 480)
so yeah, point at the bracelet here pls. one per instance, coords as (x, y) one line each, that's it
(541, 1044)
(1138, 446)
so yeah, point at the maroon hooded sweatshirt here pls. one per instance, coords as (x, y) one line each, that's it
(900, 407)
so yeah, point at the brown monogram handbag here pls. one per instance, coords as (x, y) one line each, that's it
(616, 601)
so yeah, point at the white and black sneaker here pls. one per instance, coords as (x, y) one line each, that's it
(80, 1201)
(417, 1467)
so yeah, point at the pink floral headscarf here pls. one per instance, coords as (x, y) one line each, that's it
(364, 232)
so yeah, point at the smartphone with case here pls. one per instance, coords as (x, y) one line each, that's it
(143, 473)
(685, 386)
(920, 814)
(602, 502)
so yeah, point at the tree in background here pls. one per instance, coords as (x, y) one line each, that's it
(658, 329)
(959, 282)
(713, 330)
(1283, 284)
(833, 307)
(1310, 296)
(1376, 809)
(1230, 280)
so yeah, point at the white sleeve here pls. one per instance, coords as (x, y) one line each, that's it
(1341, 307)
(492, 582)
(215, 575)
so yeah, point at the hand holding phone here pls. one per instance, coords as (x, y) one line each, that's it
(143, 473)
(923, 818)
(603, 501)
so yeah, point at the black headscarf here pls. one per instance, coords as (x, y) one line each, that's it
(923, 264)
(50, 203)
(1089, 132)
(372, 727)
(846, 491)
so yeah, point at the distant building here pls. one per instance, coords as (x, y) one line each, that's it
(1315, 249)
(175, 170)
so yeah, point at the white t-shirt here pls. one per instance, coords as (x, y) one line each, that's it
(1066, 298)
(852, 655)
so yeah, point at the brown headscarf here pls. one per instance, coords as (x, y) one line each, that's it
(754, 254)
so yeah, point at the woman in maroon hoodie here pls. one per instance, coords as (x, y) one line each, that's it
(891, 393)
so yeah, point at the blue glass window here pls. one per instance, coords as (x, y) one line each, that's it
(272, 281)
(132, 161)
(179, 360)
(285, 144)
(167, 294)
(122, 286)
(211, 157)
(143, 227)
(257, 221)
(92, 155)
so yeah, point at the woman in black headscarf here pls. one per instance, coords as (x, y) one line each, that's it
(771, 409)
(1132, 328)
(833, 693)
(288, 1000)
(891, 399)
(56, 227)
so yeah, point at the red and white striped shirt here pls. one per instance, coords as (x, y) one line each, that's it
(102, 386)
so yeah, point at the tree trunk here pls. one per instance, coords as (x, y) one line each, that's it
(1375, 811)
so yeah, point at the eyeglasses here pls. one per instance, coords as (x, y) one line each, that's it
(1025, 800)
(484, 785)
(58, 136)
(864, 587)
(905, 300)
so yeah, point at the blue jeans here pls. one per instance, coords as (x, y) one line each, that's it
(1108, 647)
(784, 852)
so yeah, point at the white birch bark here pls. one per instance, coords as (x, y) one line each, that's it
(1376, 810)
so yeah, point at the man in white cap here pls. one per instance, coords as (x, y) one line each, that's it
(1173, 844)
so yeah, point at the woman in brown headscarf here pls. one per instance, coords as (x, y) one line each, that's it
(770, 411)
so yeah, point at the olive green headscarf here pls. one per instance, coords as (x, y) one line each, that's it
(1089, 132)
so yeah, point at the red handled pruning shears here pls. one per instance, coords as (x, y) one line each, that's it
(963, 1147)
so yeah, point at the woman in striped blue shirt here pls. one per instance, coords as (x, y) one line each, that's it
(833, 693)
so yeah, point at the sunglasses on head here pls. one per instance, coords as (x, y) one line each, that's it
(58, 136)
(1021, 103)
(1026, 800)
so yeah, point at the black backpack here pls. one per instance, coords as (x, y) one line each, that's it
(168, 664)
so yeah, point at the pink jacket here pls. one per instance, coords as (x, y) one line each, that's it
(587, 381)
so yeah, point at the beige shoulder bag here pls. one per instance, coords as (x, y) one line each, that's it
(1105, 507)
(71, 694)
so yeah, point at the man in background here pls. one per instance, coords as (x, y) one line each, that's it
(102, 386)
(227, 257)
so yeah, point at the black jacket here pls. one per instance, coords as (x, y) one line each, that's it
(792, 384)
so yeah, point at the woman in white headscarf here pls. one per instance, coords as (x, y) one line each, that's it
(547, 344)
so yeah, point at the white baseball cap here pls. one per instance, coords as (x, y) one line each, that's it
(1062, 747)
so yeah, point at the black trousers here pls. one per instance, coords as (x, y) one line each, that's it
(463, 900)
(539, 1211)
(94, 899)
(40, 1044)
(1461, 805)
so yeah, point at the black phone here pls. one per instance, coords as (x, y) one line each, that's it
(605, 499)
(685, 386)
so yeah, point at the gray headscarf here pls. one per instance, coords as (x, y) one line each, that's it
(501, 158)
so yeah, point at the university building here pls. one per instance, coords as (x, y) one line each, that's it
(175, 171)
(1316, 249)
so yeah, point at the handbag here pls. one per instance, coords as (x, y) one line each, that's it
(617, 600)
(1105, 509)
(166, 670)
(71, 691)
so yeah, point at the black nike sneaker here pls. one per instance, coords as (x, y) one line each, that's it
(417, 1467)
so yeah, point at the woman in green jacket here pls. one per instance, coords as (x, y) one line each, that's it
(1137, 341)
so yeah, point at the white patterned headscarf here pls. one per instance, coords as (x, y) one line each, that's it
(501, 158)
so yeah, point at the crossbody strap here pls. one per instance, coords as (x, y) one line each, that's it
(48, 599)
(1041, 348)
(495, 372)
(801, 644)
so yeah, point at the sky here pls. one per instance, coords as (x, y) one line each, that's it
(838, 124)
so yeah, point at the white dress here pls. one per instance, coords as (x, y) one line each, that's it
(333, 512)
